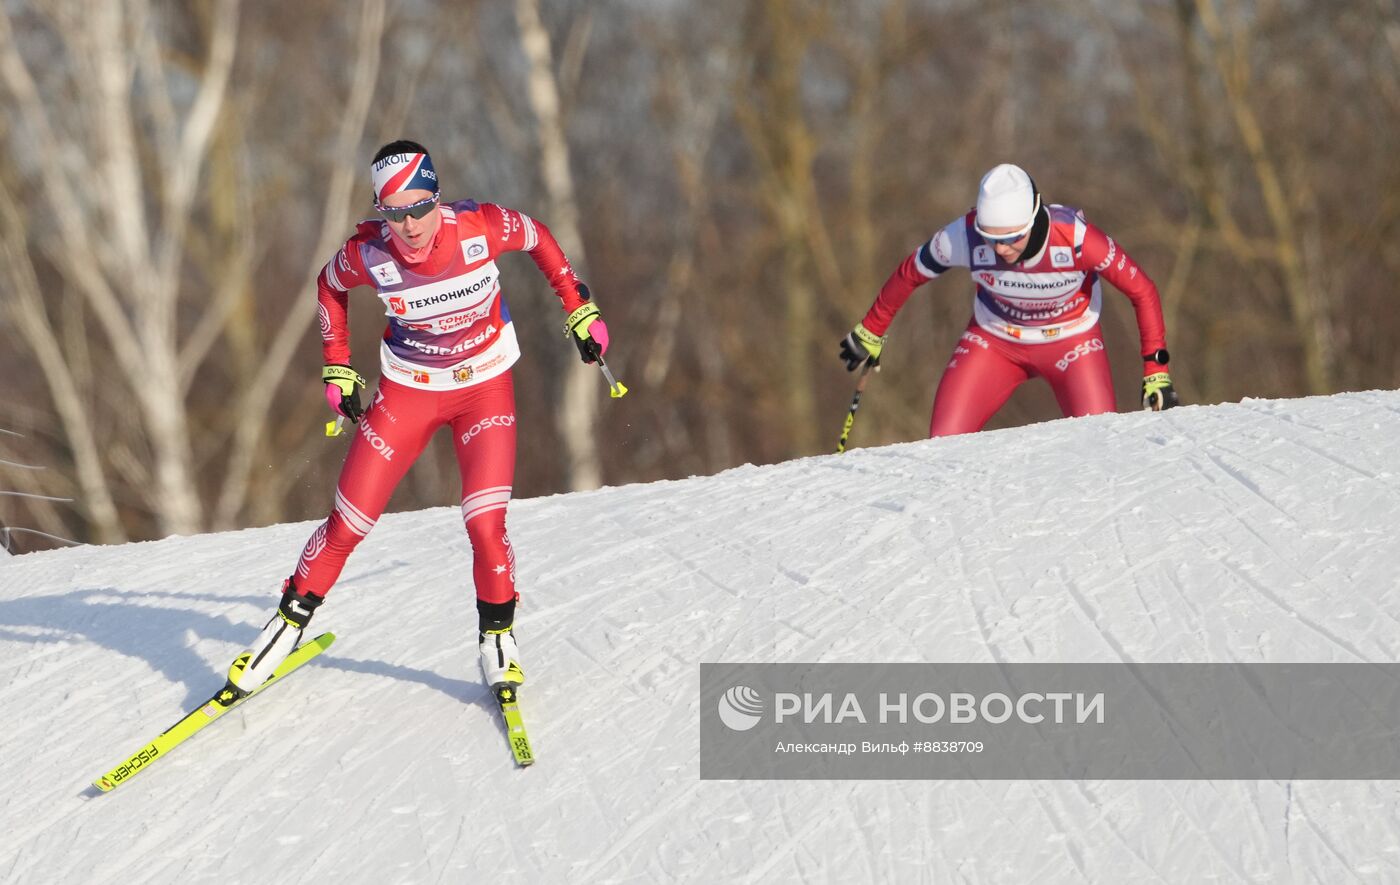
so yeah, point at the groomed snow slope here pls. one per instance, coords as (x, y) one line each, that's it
(1255, 532)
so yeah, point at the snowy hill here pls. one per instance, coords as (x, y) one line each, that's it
(1253, 532)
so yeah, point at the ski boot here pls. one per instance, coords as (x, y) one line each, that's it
(500, 655)
(277, 640)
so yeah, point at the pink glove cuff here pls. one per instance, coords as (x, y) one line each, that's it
(333, 399)
(598, 331)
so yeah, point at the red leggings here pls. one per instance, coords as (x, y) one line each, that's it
(985, 370)
(388, 439)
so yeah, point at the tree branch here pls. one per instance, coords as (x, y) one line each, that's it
(26, 306)
(255, 403)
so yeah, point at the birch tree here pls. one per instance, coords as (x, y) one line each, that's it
(577, 413)
(113, 127)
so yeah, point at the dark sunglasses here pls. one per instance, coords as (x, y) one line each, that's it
(397, 214)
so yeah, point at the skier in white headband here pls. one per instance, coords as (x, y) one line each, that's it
(1035, 309)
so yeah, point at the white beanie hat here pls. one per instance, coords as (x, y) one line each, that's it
(1007, 198)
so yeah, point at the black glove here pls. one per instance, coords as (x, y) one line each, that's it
(860, 346)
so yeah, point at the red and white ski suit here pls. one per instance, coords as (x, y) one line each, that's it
(1038, 316)
(445, 359)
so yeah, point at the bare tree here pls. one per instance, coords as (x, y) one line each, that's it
(769, 108)
(133, 283)
(256, 406)
(577, 413)
(28, 491)
(65, 384)
(138, 132)
(1229, 48)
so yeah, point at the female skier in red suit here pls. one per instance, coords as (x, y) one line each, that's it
(1035, 311)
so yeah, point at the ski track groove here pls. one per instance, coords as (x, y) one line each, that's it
(1242, 481)
(637, 828)
(1085, 791)
(1294, 614)
(787, 852)
(1288, 822)
(1090, 612)
(1208, 834)
(1263, 826)
(1319, 452)
(1327, 456)
(1286, 555)
(1067, 846)
(1343, 863)
(872, 852)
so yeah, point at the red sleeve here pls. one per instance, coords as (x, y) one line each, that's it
(518, 232)
(897, 289)
(1101, 255)
(343, 272)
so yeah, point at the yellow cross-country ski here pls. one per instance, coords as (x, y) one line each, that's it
(224, 699)
(515, 725)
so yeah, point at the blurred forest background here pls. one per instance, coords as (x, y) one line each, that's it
(734, 178)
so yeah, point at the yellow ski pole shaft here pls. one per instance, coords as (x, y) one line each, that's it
(855, 404)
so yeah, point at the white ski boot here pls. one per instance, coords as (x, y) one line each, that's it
(500, 658)
(277, 640)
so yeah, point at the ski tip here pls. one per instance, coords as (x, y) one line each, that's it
(324, 640)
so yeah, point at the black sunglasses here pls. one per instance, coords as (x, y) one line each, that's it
(397, 214)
